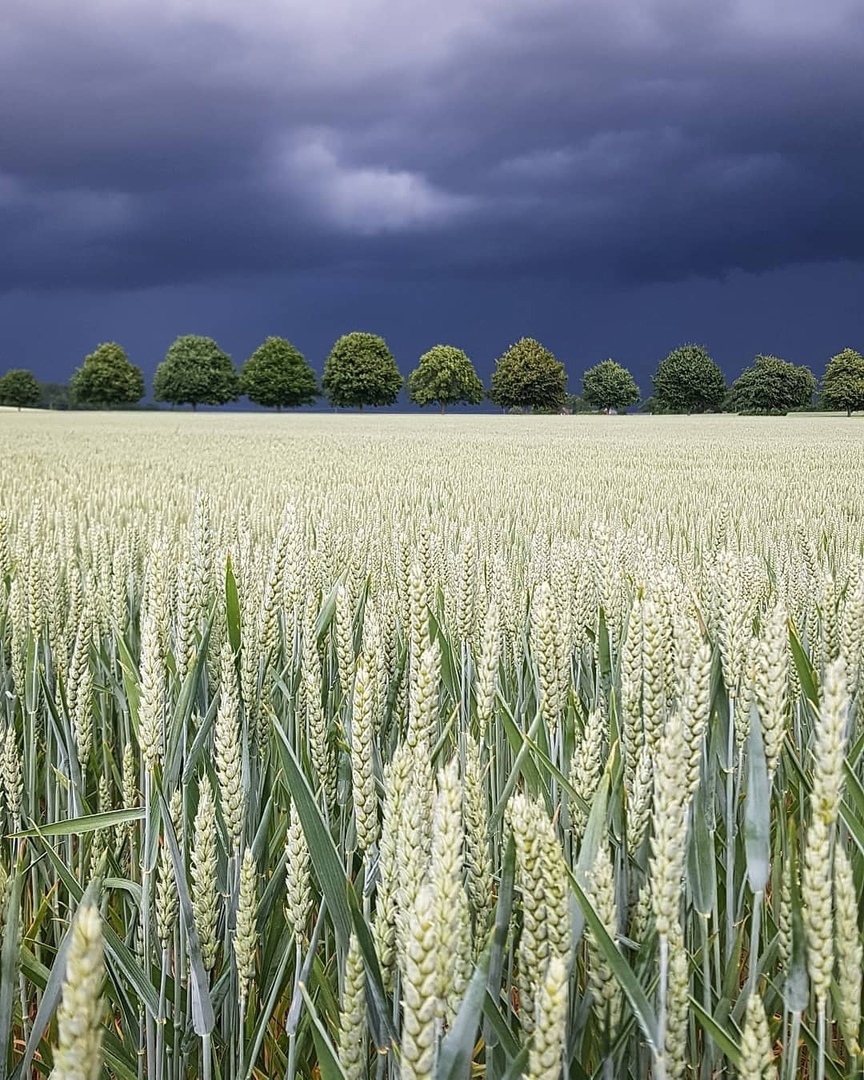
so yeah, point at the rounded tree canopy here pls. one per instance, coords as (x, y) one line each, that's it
(689, 381)
(195, 372)
(278, 376)
(107, 378)
(527, 376)
(20, 388)
(360, 370)
(608, 385)
(444, 376)
(843, 382)
(771, 385)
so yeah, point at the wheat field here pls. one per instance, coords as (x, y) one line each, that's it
(351, 747)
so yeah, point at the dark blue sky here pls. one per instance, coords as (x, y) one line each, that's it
(612, 177)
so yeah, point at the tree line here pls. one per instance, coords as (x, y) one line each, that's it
(361, 371)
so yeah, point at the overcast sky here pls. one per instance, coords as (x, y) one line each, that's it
(612, 177)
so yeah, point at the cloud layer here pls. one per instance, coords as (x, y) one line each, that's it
(151, 142)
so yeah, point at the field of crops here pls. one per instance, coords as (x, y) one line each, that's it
(378, 747)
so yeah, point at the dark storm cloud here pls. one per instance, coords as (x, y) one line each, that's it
(145, 142)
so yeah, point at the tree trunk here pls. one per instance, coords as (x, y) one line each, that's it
(194, 406)
(848, 412)
(443, 408)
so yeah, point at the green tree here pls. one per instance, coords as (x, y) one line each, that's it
(20, 387)
(360, 370)
(527, 376)
(107, 379)
(278, 376)
(689, 381)
(608, 386)
(195, 372)
(444, 376)
(843, 382)
(771, 386)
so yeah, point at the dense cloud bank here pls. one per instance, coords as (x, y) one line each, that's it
(148, 142)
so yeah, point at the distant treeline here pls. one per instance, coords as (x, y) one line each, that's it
(360, 371)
